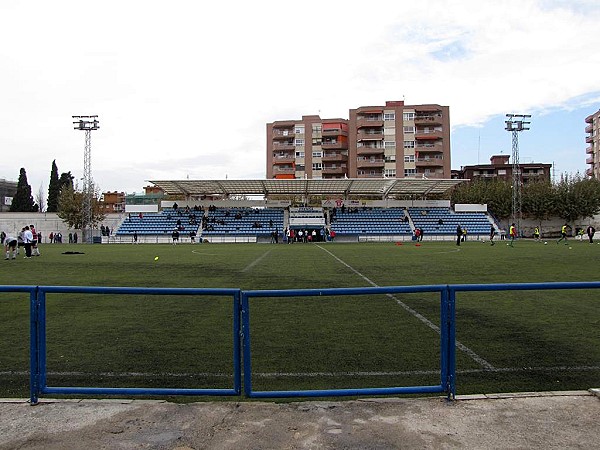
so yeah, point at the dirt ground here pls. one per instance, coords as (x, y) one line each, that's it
(551, 420)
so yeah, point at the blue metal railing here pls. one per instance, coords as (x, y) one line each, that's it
(241, 331)
(446, 332)
(38, 371)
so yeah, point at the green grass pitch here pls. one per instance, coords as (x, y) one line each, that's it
(509, 341)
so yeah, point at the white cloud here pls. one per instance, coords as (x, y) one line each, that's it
(186, 89)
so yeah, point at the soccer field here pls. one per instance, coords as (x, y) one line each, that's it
(507, 341)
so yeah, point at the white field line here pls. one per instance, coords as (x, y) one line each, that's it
(485, 364)
(310, 374)
(256, 261)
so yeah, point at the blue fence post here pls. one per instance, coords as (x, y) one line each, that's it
(451, 384)
(246, 340)
(445, 337)
(237, 336)
(34, 369)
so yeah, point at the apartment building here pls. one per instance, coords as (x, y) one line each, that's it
(592, 138)
(390, 141)
(501, 168)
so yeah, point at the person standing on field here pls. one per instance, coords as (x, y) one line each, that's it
(492, 234)
(590, 232)
(459, 234)
(512, 231)
(27, 241)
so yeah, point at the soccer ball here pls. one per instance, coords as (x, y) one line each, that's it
(156, 258)
(545, 243)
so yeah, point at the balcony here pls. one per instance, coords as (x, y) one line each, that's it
(430, 119)
(368, 122)
(369, 151)
(370, 175)
(334, 132)
(283, 146)
(429, 162)
(277, 169)
(429, 147)
(339, 145)
(421, 135)
(589, 119)
(283, 134)
(589, 150)
(378, 136)
(590, 160)
(330, 170)
(590, 172)
(589, 128)
(284, 159)
(332, 157)
(369, 163)
(589, 139)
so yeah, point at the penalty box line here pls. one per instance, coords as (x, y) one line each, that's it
(481, 361)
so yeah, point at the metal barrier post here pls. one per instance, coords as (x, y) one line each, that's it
(34, 380)
(246, 341)
(237, 335)
(444, 335)
(451, 316)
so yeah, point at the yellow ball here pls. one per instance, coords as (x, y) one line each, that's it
(156, 258)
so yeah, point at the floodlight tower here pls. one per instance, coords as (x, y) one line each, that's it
(87, 124)
(516, 123)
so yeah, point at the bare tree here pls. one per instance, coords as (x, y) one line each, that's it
(40, 198)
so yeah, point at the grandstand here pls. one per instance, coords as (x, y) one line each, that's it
(221, 219)
(443, 221)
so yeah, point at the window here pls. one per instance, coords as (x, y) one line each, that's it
(389, 116)
(299, 142)
(390, 158)
(299, 154)
(409, 158)
(317, 154)
(408, 116)
(389, 144)
(316, 141)
(299, 167)
(389, 173)
(409, 144)
(409, 129)
(299, 129)
(317, 166)
(316, 129)
(410, 172)
(501, 171)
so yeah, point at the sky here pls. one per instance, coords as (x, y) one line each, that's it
(185, 89)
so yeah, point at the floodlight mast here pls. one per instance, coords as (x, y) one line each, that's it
(516, 123)
(87, 124)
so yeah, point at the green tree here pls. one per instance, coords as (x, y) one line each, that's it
(53, 189)
(66, 179)
(497, 194)
(576, 197)
(538, 200)
(70, 208)
(23, 200)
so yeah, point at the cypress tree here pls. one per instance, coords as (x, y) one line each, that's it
(53, 189)
(23, 200)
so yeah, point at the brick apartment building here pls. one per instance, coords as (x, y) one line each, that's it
(391, 141)
(592, 138)
(500, 168)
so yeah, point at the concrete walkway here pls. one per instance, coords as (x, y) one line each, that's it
(549, 420)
